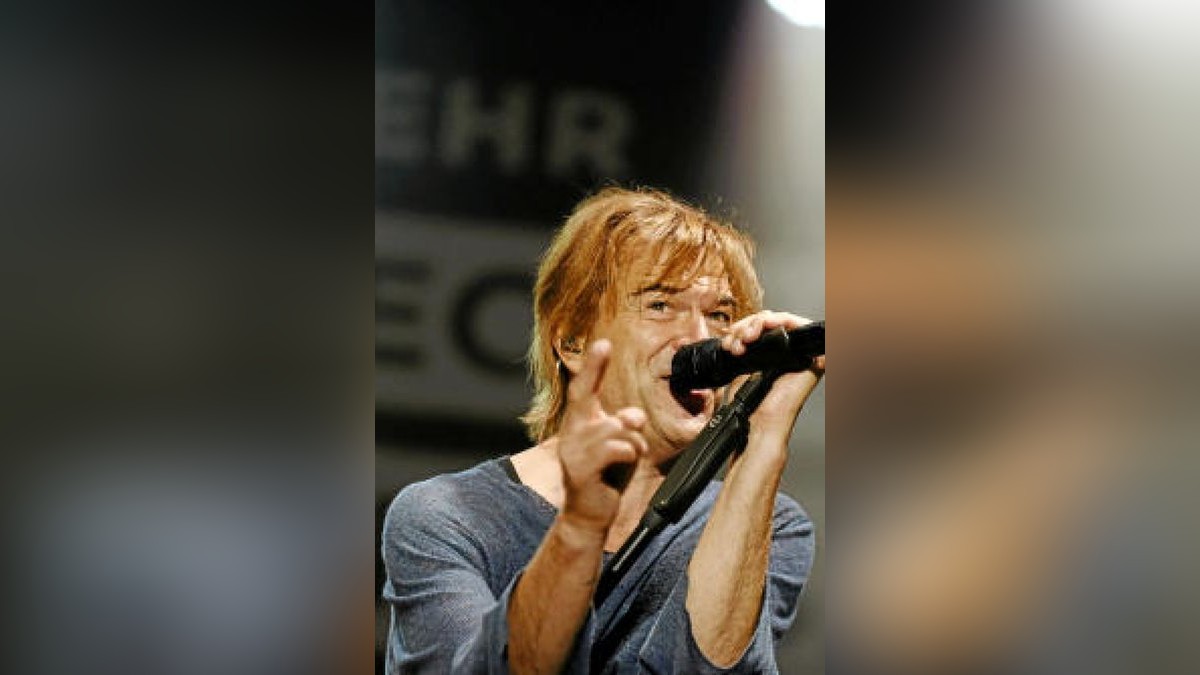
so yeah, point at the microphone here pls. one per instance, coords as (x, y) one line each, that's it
(705, 365)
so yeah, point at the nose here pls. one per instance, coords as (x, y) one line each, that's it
(696, 327)
(687, 331)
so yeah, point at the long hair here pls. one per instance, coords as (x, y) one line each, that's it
(580, 276)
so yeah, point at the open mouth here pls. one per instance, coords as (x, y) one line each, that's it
(694, 401)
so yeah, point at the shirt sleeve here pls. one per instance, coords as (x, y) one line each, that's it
(671, 647)
(444, 616)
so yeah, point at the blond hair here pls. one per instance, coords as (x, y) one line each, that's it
(581, 272)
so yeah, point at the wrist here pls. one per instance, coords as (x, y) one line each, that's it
(579, 535)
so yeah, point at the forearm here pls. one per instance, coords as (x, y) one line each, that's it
(552, 599)
(728, 571)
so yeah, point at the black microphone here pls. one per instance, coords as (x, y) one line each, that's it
(705, 365)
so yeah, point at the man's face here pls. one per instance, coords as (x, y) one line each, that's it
(653, 320)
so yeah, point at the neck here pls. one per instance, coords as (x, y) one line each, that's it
(647, 476)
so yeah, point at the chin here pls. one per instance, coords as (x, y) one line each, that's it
(684, 430)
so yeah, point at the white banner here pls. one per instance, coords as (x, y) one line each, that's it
(453, 314)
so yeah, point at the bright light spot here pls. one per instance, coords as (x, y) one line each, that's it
(809, 13)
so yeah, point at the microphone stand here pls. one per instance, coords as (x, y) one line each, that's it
(724, 434)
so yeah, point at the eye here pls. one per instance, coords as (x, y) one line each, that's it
(659, 306)
(721, 317)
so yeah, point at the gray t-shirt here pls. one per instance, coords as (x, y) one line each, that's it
(455, 545)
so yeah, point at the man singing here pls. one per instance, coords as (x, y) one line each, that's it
(493, 570)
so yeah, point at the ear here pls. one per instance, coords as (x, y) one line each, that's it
(571, 352)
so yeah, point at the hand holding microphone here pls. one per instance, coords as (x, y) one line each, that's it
(779, 343)
(770, 342)
(709, 364)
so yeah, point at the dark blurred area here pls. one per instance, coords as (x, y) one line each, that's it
(1012, 279)
(185, 239)
(493, 120)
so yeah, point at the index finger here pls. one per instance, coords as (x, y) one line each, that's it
(586, 385)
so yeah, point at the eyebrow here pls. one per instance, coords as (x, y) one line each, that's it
(658, 287)
(725, 300)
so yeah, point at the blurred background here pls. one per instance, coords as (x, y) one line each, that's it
(493, 120)
(186, 255)
(1012, 275)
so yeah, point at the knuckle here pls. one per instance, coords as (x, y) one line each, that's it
(617, 445)
(634, 422)
(639, 442)
(621, 451)
(634, 438)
